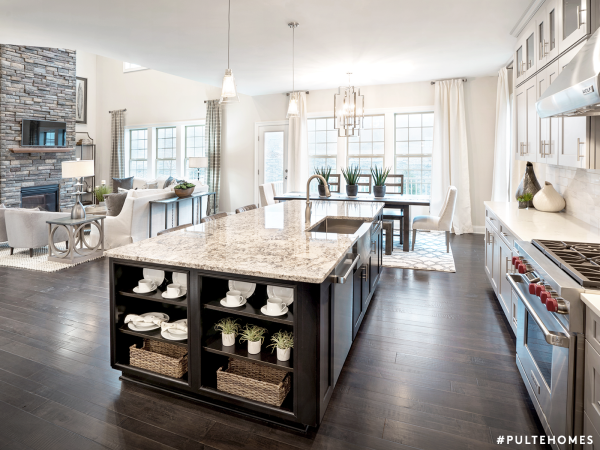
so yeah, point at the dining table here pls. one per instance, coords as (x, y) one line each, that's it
(401, 202)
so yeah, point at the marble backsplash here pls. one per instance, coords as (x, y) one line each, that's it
(579, 187)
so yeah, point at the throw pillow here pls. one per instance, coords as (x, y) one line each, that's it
(168, 182)
(121, 190)
(124, 183)
(152, 185)
(114, 203)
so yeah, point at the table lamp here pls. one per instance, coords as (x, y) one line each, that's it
(198, 162)
(78, 169)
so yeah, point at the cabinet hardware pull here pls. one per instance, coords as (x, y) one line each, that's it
(341, 280)
(506, 264)
(579, 145)
(543, 151)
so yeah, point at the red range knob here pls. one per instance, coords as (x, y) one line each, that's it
(539, 289)
(532, 288)
(551, 304)
(544, 296)
(522, 268)
(515, 259)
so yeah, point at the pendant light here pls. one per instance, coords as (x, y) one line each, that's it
(348, 110)
(229, 91)
(293, 107)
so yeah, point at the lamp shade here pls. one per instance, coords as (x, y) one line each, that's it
(229, 91)
(198, 162)
(78, 168)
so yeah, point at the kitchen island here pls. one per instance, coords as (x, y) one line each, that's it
(331, 265)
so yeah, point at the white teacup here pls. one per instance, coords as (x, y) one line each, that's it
(174, 290)
(235, 298)
(275, 305)
(146, 285)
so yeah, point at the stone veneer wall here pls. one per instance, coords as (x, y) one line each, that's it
(35, 83)
(581, 190)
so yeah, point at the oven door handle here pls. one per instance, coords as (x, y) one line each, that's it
(552, 337)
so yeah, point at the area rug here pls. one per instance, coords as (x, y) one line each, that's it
(429, 254)
(39, 262)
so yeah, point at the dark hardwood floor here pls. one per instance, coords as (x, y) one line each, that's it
(433, 367)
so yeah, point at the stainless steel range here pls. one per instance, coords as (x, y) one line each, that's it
(548, 278)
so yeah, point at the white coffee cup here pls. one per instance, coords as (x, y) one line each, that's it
(275, 305)
(234, 298)
(174, 290)
(146, 285)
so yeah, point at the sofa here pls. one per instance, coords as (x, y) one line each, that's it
(27, 228)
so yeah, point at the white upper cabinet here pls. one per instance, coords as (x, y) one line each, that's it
(546, 20)
(549, 128)
(527, 139)
(573, 152)
(526, 54)
(573, 22)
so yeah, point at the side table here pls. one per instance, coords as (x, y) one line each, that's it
(78, 248)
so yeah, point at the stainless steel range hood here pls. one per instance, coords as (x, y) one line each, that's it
(575, 91)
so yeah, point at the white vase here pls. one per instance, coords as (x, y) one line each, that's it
(254, 347)
(228, 339)
(283, 354)
(548, 199)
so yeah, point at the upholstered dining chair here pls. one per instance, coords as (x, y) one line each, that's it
(443, 222)
(245, 208)
(213, 217)
(267, 194)
(170, 230)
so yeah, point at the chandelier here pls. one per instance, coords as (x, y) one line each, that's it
(293, 107)
(229, 91)
(348, 110)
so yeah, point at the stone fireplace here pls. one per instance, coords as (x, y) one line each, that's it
(47, 198)
(35, 83)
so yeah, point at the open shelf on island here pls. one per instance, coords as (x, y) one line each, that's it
(265, 357)
(248, 310)
(155, 296)
(137, 371)
(285, 408)
(152, 334)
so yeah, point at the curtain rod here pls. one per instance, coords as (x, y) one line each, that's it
(117, 110)
(464, 80)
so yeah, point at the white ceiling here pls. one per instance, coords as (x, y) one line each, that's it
(380, 41)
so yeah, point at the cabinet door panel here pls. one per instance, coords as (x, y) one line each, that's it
(573, 22)
(521, 112)
(504, 288)
(489, 253)
(531, 148)
(548, 128)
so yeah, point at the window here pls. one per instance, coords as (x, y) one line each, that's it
(322, 146)
(166, 151)
(130, 67)
(366, 150)
(138, 153)
(194, 146)
(414, 143)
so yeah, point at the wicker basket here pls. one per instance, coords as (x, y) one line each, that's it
(254, 381)
(160, 357)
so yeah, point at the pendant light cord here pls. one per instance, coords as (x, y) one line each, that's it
(228, 31)
(293, 58)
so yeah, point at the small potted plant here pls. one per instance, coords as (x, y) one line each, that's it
(255, 336)
(379, 177)
(100, 192)
(229, 329)
(324, 172)
(283, 341)
(524, 200)
(184, 189)
(351, 175)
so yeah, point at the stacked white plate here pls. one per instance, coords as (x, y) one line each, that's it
(148, 326)
(175, 335)
(285, 294)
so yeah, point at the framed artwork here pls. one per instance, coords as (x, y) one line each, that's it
(81, 100)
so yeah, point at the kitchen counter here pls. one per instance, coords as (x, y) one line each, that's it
(268, 242)
(593, 301)
(533, 224)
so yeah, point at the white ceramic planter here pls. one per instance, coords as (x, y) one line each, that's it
(548, 199)
(283, 354)
(254, 347)
(228, 339)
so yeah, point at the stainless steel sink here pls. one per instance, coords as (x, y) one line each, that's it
(340, 226)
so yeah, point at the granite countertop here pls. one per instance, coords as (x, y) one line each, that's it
(593, 301)
(533, 224)
(270, 242)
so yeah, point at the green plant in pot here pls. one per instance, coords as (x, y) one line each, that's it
(229, 329)
(524, 200)
(283, 341)
(100, 192)
(255, 336)
(380, 174)
(324, 172)
(184, 189)
(351, 175)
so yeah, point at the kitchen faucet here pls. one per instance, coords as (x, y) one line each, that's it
(308, 202)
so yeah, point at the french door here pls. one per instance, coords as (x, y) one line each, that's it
(272, 156)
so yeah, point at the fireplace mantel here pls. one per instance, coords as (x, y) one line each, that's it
(41, 150)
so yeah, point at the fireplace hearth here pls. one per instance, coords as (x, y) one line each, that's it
(47, 197)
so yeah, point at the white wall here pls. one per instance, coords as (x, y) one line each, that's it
(86, 68)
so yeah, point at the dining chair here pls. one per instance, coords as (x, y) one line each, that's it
(245, 208)
(396, 183)
(334, 185)
(368, 183)
(443, 222)
(213, 217)
(267, 194)
(170, 230)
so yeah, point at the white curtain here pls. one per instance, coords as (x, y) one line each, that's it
(450, 165)
(297, 163)
(502, 148)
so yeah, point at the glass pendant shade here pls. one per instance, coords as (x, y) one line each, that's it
(348, 111)
(229, 91)
(293, 107)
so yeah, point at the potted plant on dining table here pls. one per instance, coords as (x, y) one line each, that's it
(351, 175)
(380, 175)
(324, 172)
